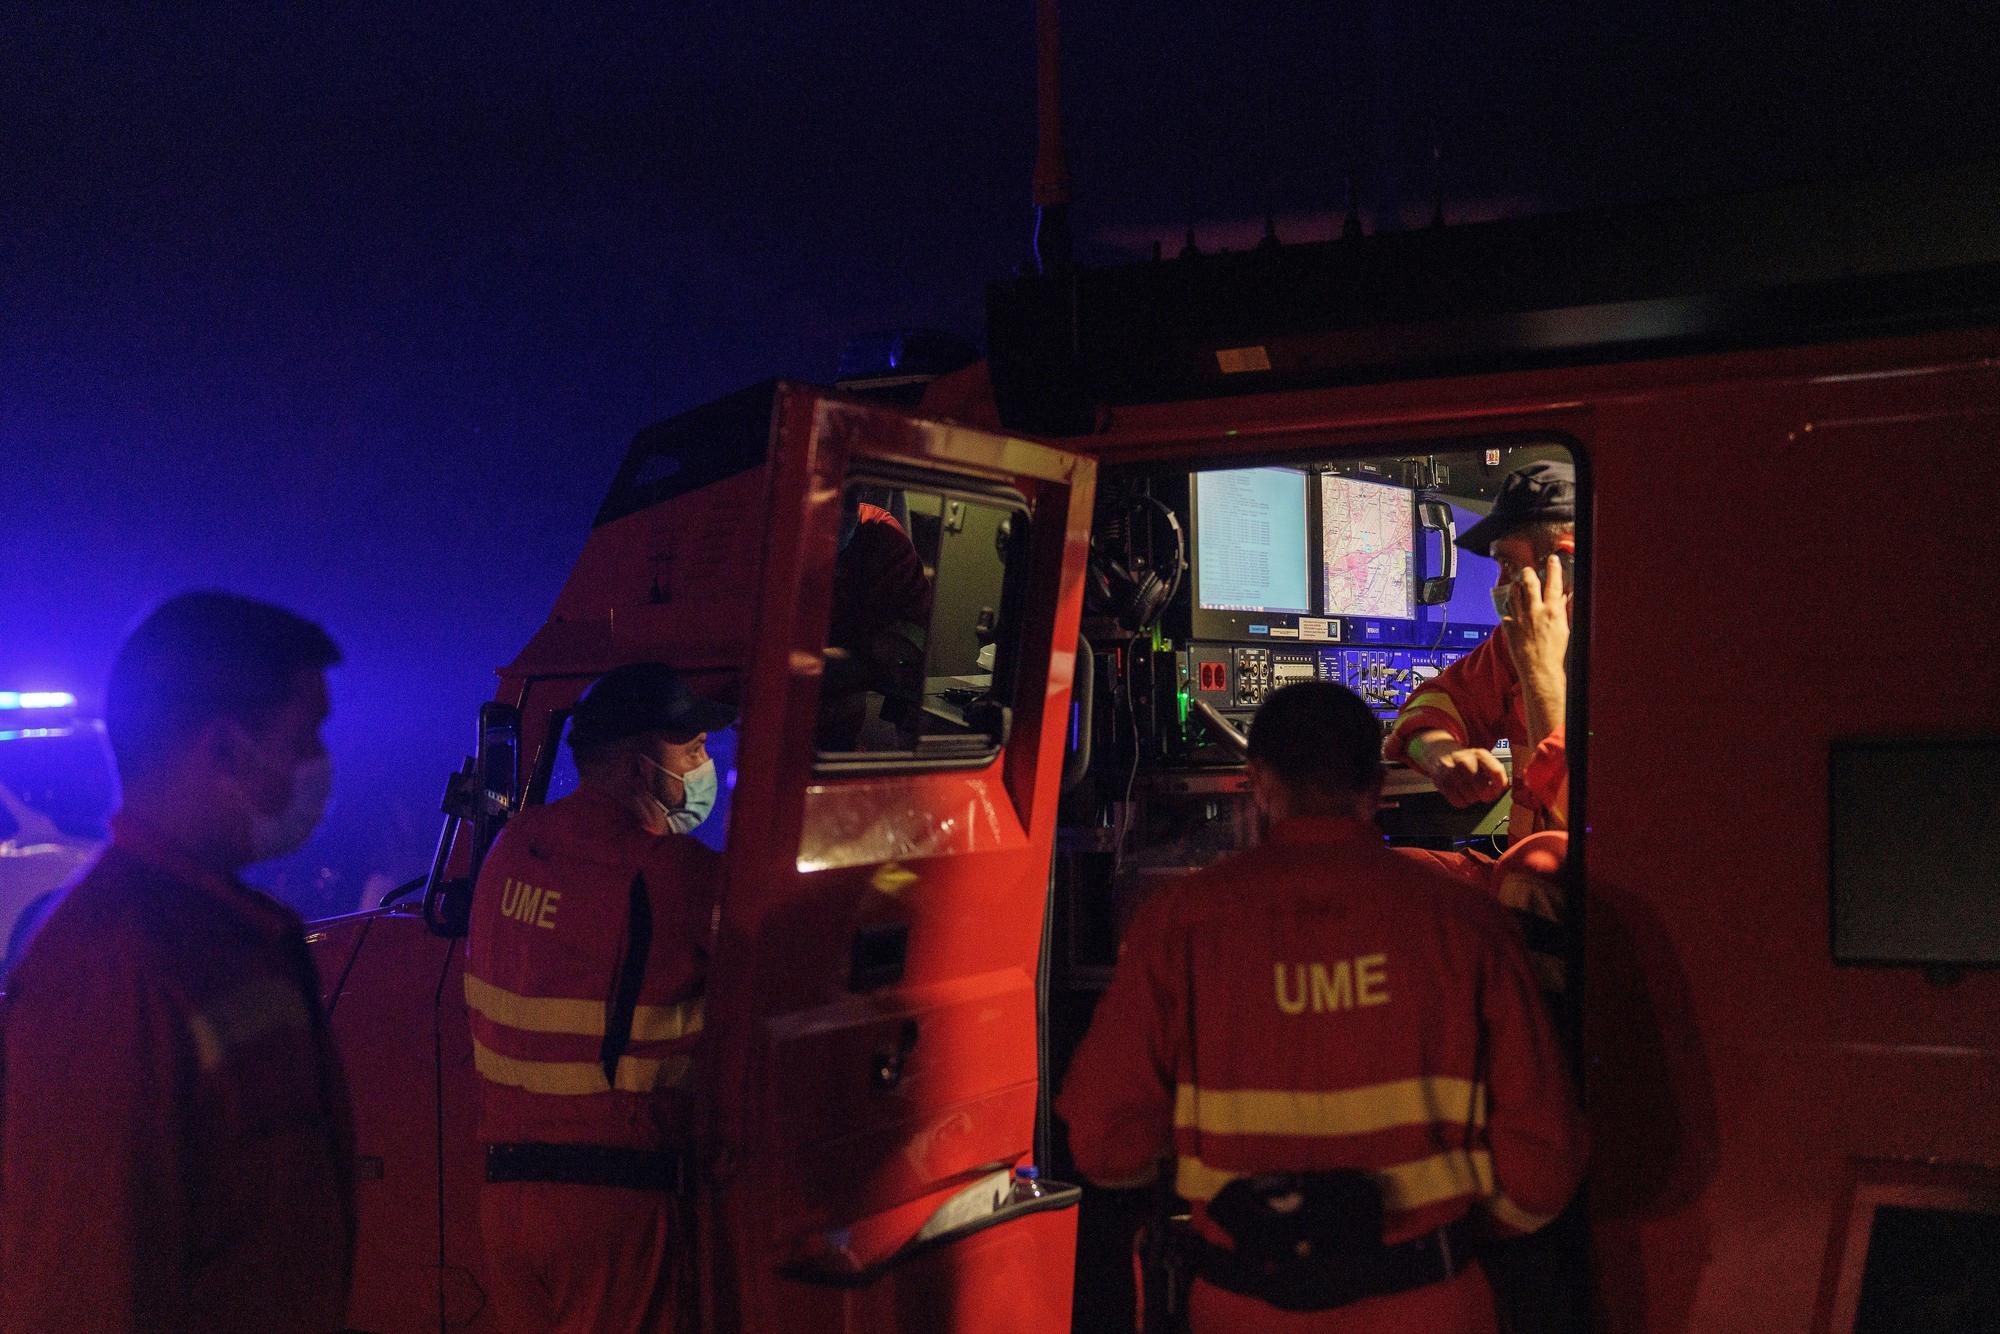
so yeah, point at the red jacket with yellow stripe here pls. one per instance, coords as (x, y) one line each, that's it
(176, 1151)
(1317, 1003)
(1478, 701)
(585, 925)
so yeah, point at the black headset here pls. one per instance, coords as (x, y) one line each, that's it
(1116, 584)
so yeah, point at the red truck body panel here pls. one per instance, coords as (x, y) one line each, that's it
(1781, 551)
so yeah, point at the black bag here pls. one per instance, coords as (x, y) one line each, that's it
(1311, 1241)
(1303, 1241)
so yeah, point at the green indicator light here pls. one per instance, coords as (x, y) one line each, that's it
(1183, 697)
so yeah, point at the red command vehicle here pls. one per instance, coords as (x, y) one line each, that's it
(1231, 472)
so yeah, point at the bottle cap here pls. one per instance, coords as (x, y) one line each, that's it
(1031, 1173)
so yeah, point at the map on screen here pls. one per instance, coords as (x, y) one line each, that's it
(1250, 540)
(1368, 546)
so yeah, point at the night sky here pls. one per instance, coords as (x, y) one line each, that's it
(354, 307)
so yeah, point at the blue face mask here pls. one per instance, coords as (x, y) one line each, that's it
(697, 800)
(698, 787)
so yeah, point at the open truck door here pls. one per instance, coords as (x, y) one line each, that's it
(872, 1070)
(871, 1073)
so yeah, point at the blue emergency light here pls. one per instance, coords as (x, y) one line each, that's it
(37, 699)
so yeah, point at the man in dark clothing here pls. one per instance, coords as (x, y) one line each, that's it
(175, 1144)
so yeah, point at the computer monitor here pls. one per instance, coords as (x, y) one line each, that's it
(1250, 543)
(1368, 549)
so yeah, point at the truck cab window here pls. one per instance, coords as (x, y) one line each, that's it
(915, 666)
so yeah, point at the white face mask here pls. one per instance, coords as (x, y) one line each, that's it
(1503, 594)
(273, 836)
(698, 787)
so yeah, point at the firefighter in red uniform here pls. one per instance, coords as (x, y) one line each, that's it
(589, 945)
(1525, 701)
(1516, 685)
(176, 1153)
(1344, 1052)
(1509, 686)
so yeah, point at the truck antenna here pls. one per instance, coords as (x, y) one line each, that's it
(1351, 229)
(1437, 177)
(1052, 184)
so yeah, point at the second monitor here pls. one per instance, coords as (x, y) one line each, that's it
(1368, 549)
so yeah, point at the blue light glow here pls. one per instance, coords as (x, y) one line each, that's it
(37, 699)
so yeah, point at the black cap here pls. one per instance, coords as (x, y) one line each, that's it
(643, 697)
(1533, 493)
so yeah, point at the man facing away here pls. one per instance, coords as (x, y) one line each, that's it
(175, 1144)
(589, 948)
(1343, 1051)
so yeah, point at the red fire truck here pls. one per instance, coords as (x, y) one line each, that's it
(1139, 516)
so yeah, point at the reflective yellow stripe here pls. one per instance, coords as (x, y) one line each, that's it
(1510, 1214)
(585, 1018)
(1439, 1177)
(1433, 699)
(257, 1009)
(534, 1014)
(1361, 1111)
(1404, 1186)
(564, 1078)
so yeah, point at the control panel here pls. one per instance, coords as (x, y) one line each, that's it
(1384, 677)
(1234, 677)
